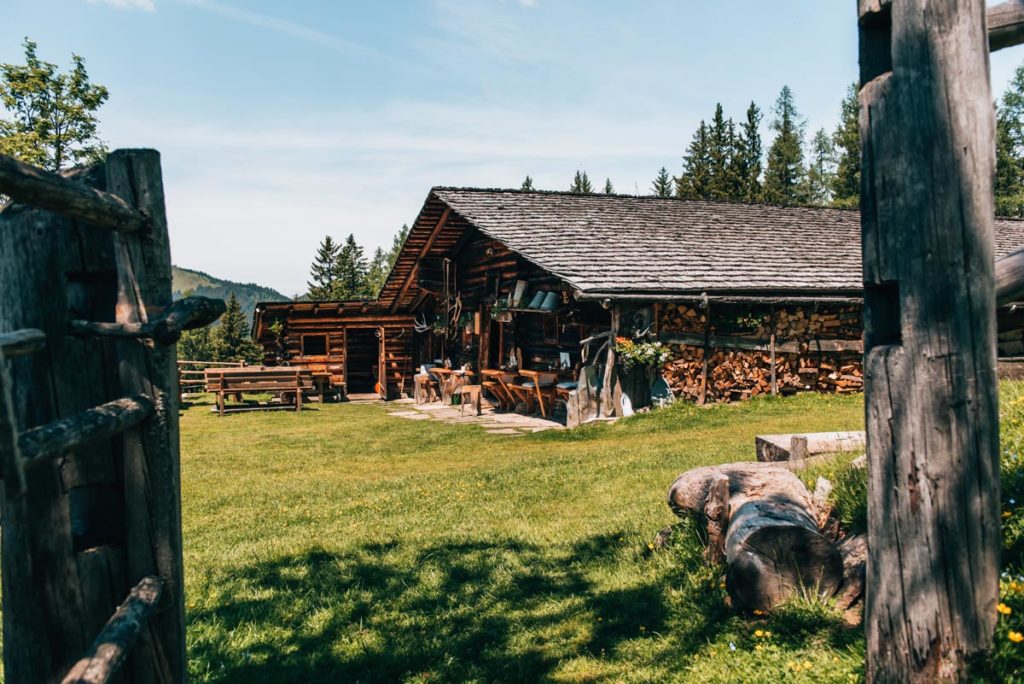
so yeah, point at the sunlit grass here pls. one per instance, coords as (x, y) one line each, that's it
(344, 544)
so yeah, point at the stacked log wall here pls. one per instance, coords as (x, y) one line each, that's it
(334, 323)
(817, 348)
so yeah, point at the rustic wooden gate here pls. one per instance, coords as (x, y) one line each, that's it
(92, 564)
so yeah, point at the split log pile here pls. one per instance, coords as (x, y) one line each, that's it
(814, 350)
(777, 538)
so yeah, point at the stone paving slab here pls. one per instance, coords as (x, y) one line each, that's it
(490, 420)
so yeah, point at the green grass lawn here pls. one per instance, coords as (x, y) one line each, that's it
(344, 544)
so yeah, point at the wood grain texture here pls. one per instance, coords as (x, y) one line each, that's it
(762, 520)
(110, 649)
(1005, 25)
(927, 131)
(151, 463)
(22, 342)
(85, 428)
(47, 190)
(184, 314)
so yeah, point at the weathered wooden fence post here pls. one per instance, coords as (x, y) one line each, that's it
(927, 124)
(92, 565)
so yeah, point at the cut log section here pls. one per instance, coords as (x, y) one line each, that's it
(791, 447)
(767, 531)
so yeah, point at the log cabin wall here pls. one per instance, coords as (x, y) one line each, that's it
(480, 271)
(316, 336)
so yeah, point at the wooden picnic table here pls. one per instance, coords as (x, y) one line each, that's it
(257, 379)
(498, 381)
(538, 378)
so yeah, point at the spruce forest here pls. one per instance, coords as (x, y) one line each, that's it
(726, 160)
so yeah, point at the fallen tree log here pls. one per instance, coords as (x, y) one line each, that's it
(764, 523)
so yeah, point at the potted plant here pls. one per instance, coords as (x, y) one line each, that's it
(500, 312)
(642, 354)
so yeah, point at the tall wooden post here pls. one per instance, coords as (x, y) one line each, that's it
(927, 125)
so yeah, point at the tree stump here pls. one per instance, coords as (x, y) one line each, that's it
(763, 522)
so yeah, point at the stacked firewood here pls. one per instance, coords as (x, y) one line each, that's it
(682, 318)
(735, 374)
(794, 323)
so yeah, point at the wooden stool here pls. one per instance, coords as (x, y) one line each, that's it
(469, 393)
(425, 390)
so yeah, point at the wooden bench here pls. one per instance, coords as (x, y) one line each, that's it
(248, 380)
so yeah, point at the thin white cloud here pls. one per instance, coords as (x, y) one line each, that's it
(144, 5)
(287, 27)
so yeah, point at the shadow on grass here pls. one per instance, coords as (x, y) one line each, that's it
(455, 611)
(385, 612)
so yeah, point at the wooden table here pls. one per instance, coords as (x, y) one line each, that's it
(321, 381)
(450, 380)
(498, 381)
(535, 377)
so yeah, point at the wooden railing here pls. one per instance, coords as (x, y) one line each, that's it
(55, 366)
(192, 374)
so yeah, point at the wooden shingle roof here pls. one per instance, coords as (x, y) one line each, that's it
(627, 246)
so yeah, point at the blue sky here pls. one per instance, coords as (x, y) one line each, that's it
(280, 122)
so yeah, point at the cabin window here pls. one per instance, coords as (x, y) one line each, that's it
(314, 345)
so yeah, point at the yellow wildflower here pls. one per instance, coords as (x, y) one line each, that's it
(1015, 637)
(650, 545)
(757, 647)
(758, 633)
(1004, 609)
(1006, 514)
(808, 665)
(767, 634)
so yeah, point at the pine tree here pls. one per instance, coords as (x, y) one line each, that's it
(784, 178)
(581, 184)
(747, 161)
(846, 140)
(231, 340)
(397, 243)
(821, 171)
(351, 271)
(196, 345)
(721, 136)
(377, 272)
(527, 183)
(609, 189)
(324, 271)
(695, 180)
(1009, 180)
(662, 185)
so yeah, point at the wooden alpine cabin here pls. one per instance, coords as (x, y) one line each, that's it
(748, 299)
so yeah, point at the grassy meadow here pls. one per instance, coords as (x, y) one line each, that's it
(344, 544)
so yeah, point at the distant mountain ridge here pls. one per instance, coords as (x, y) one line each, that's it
(206, 285)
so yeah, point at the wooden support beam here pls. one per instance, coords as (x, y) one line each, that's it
(47, 190)
(184, 314)
(1005, 25)
(22, 342)
(931, 394)
(82, 429)
(11, 459)
(411, 275)
(108, 652)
